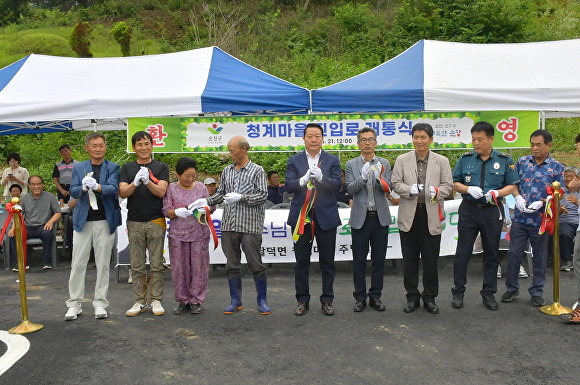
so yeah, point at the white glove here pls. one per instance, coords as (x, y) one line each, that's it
(316, 173)
(520, 203)
(89, 183)
(535, 206)
(488, 196)
(432, 192)
(137, 180)
(201, 210)
(182, 212)
(475, 192)
(144, 174)
(365, 171)
(84, 182)
(232, 197)
(305, 179)
(93, 185)
(415, 188)
(197, 204)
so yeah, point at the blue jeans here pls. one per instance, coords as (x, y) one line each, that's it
(519, 235)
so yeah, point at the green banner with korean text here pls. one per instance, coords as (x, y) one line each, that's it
(276, 133)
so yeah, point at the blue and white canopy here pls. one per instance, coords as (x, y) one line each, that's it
(47, 93)
(446, 76)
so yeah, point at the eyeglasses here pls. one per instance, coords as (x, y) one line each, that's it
(365, 140)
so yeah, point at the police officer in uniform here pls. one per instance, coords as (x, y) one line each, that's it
(483, 177)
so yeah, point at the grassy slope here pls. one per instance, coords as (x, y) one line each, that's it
(160, 31)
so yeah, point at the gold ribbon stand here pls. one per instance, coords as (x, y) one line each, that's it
(556, 308)
(25, 326)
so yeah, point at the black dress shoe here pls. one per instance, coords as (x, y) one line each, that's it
(457, 301)
(302, 308)
(181, 308)
(327, 308)
(376, 304)
(489, 302)
(431, 307)
(411, 306)
(360, 306)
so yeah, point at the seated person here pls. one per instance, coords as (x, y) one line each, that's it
(568, 219)
(275, 189)
(41, 211)
(15, 192)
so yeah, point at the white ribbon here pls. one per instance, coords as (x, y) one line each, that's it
(92, 196)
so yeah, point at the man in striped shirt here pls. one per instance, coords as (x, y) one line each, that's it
(244, 190)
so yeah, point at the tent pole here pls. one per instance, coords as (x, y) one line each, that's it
(542, 120)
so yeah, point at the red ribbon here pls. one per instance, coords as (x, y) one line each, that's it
(440, 209)
(208, 222)
(11, 211)
(495, 202)
(152, 177)
(304, 216)
(548, 218)
(384, 183)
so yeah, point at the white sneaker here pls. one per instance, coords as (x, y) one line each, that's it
(137, 309)
(522, 273)
(498, 271)
(72, 313)
(157, 308)
(100, 312)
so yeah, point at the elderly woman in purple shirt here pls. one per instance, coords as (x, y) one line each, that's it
(188, 239)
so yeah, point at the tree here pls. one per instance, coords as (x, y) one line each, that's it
(80, 39)
(468, 21)
(122, 34)
(11, 10)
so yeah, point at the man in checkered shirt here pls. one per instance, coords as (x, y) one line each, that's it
(244, 190)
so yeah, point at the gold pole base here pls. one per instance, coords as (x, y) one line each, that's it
(555, 309)
(25, 327)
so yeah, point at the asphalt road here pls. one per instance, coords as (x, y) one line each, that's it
(514, 345)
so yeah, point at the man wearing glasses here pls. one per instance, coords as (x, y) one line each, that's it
(367, 180)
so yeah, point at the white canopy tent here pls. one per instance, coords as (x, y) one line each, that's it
(446, 76)
(48, 93)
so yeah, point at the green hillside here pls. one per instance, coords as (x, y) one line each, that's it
(312, 43)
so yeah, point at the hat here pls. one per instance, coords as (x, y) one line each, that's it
(209, 181)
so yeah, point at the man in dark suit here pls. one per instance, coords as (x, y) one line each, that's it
(367, 181)
(313, 176)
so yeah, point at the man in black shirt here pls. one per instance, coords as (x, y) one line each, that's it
(144, 182)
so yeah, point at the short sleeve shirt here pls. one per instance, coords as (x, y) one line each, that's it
(494, 173)
(37, 211)
(143, 206)
(533, 181)
(63, 171)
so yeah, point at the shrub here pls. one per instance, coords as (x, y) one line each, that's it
(80, 39)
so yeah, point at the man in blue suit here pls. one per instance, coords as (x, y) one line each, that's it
(95, 185)
(313, 176)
